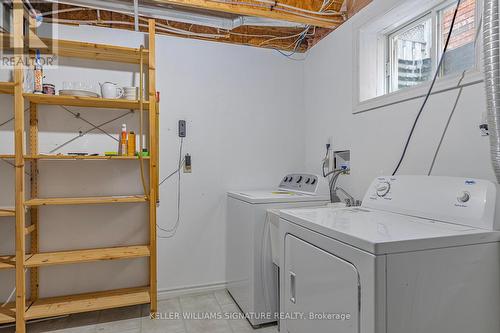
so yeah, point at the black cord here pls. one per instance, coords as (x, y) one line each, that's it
(173, 230)
(430, 90)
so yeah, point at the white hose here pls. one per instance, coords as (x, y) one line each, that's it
(491, 35)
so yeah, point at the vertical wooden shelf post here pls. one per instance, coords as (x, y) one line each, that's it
(19, 163)
(153, 181)
(35, 248)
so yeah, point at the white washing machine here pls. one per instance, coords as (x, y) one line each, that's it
(251, 277)
(419, 256)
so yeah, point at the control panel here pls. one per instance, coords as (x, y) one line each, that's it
(462, 201)
(300, 182)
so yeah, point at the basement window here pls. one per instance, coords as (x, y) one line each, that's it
(408, 42)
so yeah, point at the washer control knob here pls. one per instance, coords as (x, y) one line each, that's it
(463, 197)
(383, 189)
(300, 179)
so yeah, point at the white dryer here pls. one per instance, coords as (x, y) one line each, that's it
(419, 256)
(251, 277)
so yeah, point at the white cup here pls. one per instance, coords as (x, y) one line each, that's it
(111, 90)
(130, 93)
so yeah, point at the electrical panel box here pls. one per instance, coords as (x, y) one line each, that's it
(5, 17)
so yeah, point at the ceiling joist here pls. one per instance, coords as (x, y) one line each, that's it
(276, 10)
(181, 18)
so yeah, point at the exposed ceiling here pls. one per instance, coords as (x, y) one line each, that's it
(286, 25)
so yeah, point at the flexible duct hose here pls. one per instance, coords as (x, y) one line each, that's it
(491, 38)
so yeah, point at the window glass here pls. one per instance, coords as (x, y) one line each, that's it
(411, 62)
(460, 55)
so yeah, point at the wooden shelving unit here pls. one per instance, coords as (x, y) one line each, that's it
(30, 257)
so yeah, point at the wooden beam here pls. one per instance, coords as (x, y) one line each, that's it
(354, 6)
(19, 162)
(259, 9)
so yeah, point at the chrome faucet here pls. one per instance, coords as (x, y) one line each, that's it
(350, 201)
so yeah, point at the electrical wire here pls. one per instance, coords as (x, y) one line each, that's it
(172, 30)
(429, 91)
(321, 12)
(296, 10)
(457, 99)
(141, 120)
(436, 153)
(174, 229)
(11, 294)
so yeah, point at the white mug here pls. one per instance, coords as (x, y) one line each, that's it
(130, 93)
(111, 90)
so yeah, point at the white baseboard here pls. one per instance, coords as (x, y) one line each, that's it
(164, 294)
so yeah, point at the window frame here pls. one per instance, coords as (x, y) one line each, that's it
(370, 51)
(390, 60)
(437, 46)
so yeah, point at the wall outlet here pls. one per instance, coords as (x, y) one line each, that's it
(182, 128)
(187, 164)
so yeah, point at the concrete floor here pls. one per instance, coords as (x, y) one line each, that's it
(136, 319)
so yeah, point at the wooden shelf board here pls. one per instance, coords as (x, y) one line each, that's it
(83, 256)
(7, 88)
(65, 305)
(7, 212)
(85, 200)
(7, 157)
(8, 314)
(7, 262)
(84, 50)
(67, 157)
(91, 102)
(104, 52)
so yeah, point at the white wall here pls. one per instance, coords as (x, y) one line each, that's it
(376, 138)
(245, 130)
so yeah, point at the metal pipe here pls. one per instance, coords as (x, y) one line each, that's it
(136, 15)
(492, 78)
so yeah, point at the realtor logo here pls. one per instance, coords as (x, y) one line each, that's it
(34, 14)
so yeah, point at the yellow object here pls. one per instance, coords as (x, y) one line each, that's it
(131, 144)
